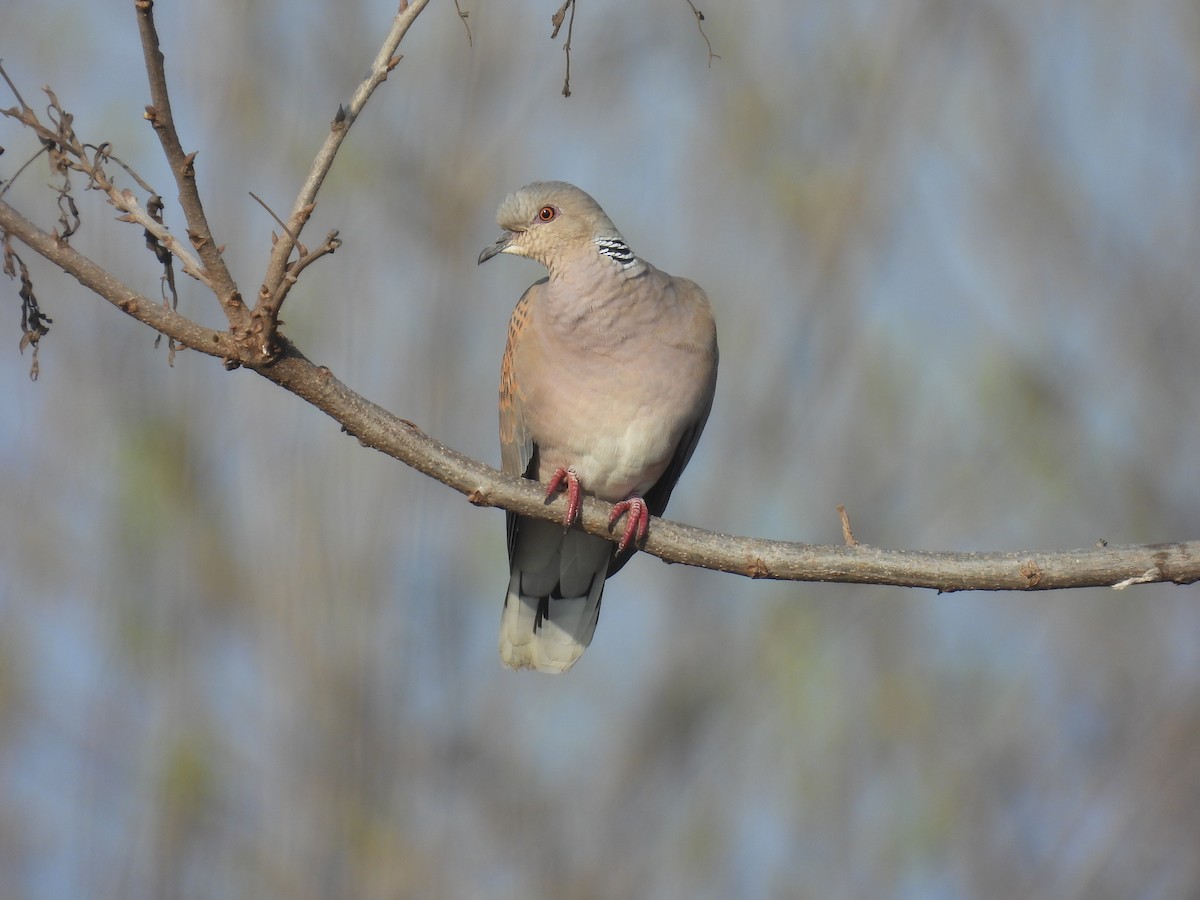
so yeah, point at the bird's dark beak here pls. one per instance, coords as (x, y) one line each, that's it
(492, 249)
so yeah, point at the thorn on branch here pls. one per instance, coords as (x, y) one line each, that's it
(847, 534)
(198, 241)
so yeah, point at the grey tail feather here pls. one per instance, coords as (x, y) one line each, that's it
(553, 599)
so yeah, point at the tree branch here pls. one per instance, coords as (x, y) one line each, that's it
(182, 167)
(275, 285)
(278, 360)
(700, 24)
(68, 153)
(375, 427)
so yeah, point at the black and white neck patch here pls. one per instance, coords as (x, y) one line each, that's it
(616, 249)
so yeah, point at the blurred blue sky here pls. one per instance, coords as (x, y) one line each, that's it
(952, 248)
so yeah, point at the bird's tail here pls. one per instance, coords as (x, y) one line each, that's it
(553, 600)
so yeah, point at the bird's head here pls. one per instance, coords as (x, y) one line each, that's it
(549, 221)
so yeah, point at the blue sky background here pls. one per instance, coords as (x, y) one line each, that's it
(952, 249)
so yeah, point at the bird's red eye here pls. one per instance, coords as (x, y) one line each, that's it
(547, 213)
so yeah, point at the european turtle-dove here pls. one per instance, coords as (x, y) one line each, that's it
(606, 383)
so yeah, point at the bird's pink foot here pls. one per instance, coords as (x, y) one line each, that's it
(574, 494)
(638, 524)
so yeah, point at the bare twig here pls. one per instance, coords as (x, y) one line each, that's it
(462, 15)
(700, 25)
(556, 20)
(158, 316)
(275, 285)
(12, 87)
(68, 154)
(278, 221)
(125, 201)
(306, 259)
(328, 246)
(60, 144)
(104, 152)
(377, 428)
(215, 272)
(25, 165)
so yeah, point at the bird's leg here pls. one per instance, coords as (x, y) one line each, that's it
(574, 494)
(638, 524)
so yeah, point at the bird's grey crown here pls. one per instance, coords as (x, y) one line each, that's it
(616, 249)
(520, 208)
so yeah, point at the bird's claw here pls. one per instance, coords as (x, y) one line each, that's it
(638, 524)
(574, 494)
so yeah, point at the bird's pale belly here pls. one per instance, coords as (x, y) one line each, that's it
(627, 457)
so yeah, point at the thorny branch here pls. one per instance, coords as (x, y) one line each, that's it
(280, 362)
